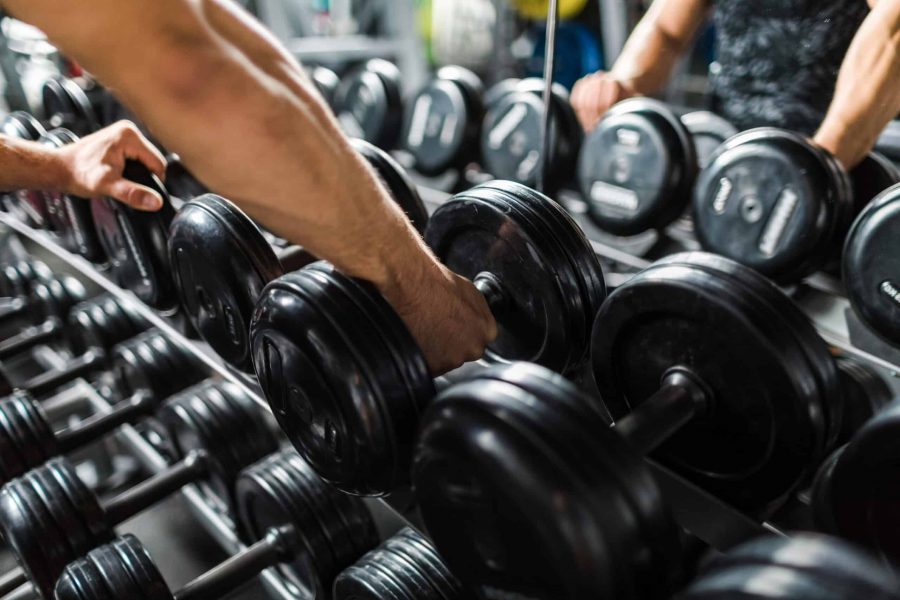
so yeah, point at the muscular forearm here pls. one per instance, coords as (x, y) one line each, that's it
(29, 165)
(228, 110)
(314, 189)
(657, 43)
(867, 94)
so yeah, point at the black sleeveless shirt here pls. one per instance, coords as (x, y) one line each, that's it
(778, 60)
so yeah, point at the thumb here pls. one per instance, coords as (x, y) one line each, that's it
(134, 195)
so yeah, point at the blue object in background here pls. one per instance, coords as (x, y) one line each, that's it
(578, 52)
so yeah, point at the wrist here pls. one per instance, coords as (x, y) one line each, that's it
(834, 137)
(405, 272)
(628, 88)
(57, 171)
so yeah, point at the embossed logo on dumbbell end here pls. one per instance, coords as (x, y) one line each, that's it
(513, 117)
(628, 137)
(132, 246)
(417, 124)
(492, 593)
(449, 128)
(607, 194)
(528, 165)
(723, 193)
(781, 216)
(890, 290)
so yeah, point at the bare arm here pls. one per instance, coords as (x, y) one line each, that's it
(867, 94)
(658, 42)
(248, 124)
(647, 60)
(88, 168)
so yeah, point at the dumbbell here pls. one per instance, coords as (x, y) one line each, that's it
(204, 412)
(100, 322)
(180, 182)
(499, 90)
(709, 131)
(513, 129)
(405, 567)
(337, 528)
(777, 202)
(47, 301)
(865, 393)
(345, 378)
(27, 438)
(147, 362)
(868, 265)
(637, 167)
(855, 493)
(369, 104)
(803, 567)
(219, 295)
(69, 217)
(49, 517)
(135, 242)
(67, 105)
(17, 278)
(310, 527)
(153, 363)
(148, 366)
(58, 312)
(326, 82)
(442, 129)
(20, 124)
(698, 360)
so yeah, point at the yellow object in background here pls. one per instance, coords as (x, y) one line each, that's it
(536, 10)
(423, 25)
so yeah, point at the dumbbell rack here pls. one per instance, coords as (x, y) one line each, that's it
(220, 528)
(821, 297)
(708, 518)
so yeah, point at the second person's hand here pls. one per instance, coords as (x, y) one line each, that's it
(595, 94)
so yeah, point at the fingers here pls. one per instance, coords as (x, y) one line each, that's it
(593, 95)
(133, 194)
(598, 102)
(580, 94)
(134, 145)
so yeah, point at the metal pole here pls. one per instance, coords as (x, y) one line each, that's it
(549, 64)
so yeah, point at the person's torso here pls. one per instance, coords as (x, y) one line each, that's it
(778, 60)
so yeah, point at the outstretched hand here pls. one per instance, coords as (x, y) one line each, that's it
(95, 166)
(595, 94)
(448, 317)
